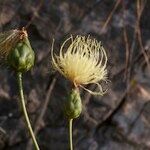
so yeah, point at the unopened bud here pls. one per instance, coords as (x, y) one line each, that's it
(73, 104)
(21, 58)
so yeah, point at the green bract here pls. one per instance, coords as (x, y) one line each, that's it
(73, 105)
(21, 57)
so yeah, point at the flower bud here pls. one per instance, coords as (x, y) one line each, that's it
(21, 58)
(73, 104)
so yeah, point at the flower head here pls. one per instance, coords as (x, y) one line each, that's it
(16, 51)
(83, 62)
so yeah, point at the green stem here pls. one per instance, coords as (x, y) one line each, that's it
(19, 78)
(70, 134)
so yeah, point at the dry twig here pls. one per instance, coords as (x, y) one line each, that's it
(140, 8)
(110, 15)
(35, 13)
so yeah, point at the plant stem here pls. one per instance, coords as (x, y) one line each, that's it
(28, 124)
(70, 134)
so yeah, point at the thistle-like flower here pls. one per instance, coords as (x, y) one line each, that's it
(84, 62)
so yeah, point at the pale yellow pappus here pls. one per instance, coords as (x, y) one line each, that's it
(82, 62)
(9, 39)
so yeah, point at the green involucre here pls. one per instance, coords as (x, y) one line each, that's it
(21, 57)
(73, 104)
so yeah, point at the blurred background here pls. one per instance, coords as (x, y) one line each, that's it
(120, 119)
